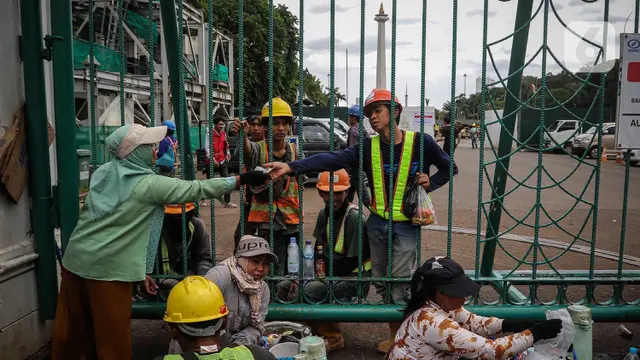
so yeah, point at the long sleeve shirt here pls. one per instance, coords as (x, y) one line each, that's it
(432, 333)
(349, 159)
(114, 247)
(239, 319)
(353, 135)
(163, 146)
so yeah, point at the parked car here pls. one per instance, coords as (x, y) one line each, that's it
(589, 140)
(339, 125)
(635, 157)
(561, 132)
(316, 136)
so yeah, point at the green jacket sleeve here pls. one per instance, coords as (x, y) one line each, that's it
(157, 189)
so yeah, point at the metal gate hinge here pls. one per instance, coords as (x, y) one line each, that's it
(55, 207)
(48, 44)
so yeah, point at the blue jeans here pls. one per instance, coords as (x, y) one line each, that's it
(403, 254)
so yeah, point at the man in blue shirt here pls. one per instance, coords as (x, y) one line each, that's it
(376, 166)
(168, 146)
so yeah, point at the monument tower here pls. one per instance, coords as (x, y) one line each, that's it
(381, 65)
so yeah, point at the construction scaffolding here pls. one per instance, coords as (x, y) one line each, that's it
(138, 27)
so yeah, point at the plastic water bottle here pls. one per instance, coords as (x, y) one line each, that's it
(307, 268)
(632, 355)
(293, 259)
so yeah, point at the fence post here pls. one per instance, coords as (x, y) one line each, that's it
(170, 29)
(38, 156)
(518, 55)
(64, 107)
(583, 342)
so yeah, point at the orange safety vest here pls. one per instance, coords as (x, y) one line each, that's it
(339, 247)
(287, 203)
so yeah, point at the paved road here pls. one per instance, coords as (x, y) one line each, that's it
(558, 203)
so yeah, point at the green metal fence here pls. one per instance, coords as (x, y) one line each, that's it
(517, 287)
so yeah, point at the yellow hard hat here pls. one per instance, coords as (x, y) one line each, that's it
(195, 299)
(280, 108)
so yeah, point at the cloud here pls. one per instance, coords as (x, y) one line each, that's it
(558, 6)
(591, 10)
(480, 12)
(577, 3)
(371, 43)
(413, 21)
(618, 18)
(325, 7)
(409, 21)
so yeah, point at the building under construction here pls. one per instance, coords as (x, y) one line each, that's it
(126, 54)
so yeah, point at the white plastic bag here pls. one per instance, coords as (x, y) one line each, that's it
(556, 348)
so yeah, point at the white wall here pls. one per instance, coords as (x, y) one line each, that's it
(22, 334)
(493, 130)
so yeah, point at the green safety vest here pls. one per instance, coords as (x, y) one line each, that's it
(339, 248)
(234, 353)
(380, 204)
(166, 264)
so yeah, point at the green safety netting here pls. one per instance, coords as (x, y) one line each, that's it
(140, 26)
(220, 73)
(108, 59)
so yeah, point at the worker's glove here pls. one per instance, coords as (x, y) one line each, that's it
(515, 326)
(548, 329)
(253, 178)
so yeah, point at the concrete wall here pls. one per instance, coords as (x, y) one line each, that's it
(22, 334)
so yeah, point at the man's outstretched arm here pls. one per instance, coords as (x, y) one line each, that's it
(330, 161)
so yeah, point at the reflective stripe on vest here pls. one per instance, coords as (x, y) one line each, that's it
(380, 202)
(166, 264)
(288, 202)
(366, 266)
(234, 353)
(339, 248)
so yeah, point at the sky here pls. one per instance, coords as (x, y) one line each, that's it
(585, 19)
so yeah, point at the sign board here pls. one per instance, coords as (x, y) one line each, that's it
(293, 139)
(628, 124)
(410, 119)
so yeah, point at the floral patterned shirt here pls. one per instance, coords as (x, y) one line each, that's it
(432, 333)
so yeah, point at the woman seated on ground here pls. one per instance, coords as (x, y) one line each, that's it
(437, 326)
(240, 278)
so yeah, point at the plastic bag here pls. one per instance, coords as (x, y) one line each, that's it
(557, 347)
(417, 205)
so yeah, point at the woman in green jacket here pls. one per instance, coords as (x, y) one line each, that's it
(115, 242)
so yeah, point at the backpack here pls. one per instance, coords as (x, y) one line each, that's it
(168, 159)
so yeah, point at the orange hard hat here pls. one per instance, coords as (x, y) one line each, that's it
(175, 209)
(340, 181)
(379, 96)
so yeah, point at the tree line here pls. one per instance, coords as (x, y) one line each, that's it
(256, 61)
(572, 90)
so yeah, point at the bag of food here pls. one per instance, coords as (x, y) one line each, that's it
(417, 205)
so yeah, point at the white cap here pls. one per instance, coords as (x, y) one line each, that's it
(140, 135)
